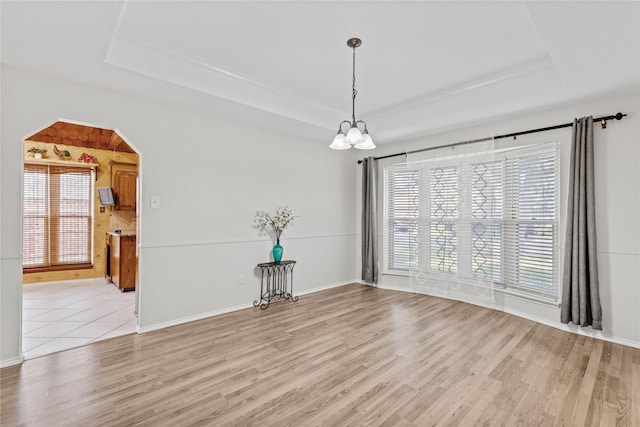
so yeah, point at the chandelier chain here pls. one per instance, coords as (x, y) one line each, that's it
(354, 92)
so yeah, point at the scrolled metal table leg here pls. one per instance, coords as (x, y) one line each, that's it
(294, 299)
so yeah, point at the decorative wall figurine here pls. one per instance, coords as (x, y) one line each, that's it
(62, 154)
(87, 158)
(38, 152)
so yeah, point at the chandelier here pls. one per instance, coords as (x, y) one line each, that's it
(354, 136)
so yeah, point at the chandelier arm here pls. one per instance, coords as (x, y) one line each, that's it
(364, 123)
(341, 123)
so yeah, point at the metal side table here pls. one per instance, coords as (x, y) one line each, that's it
(276, 283)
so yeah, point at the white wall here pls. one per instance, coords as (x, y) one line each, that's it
(211, 174)
(617, 163)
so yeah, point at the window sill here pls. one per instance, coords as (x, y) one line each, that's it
(528, 297)
(395, 273)
(57, 268)
(504, 291)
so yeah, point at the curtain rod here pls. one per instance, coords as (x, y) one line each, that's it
(602, 119)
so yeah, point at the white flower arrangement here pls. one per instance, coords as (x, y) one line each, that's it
(283, 217)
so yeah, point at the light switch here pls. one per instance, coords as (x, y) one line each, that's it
(155, 202)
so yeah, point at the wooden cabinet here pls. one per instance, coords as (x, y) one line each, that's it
(123, 181)
(121, 260)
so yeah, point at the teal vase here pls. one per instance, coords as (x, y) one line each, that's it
(277, 252)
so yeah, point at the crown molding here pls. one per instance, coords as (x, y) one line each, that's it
(163, 61)
(532, 67)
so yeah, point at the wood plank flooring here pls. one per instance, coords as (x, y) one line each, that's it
(353, 355)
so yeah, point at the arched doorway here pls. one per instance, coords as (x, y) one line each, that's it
(79, 249)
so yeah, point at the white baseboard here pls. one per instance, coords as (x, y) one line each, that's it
(213, 313)
(10, 362)
(188, 319)
(588, 332)
(592, 333)
(324, 288)
(395, 288)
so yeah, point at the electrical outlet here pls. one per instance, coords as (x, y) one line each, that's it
(241, 279)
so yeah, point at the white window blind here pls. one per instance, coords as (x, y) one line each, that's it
(531, 225)
(57, 217)
(401, 212)
(492, 219)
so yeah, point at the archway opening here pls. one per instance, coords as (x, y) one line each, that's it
(80, 237)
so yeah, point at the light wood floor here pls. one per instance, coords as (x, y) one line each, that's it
(353, 355)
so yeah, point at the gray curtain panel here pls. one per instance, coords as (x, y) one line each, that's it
(369, 218)
(580, 289)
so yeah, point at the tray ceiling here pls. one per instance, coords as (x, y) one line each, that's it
(423, 67)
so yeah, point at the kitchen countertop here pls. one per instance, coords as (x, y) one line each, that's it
(123, 233)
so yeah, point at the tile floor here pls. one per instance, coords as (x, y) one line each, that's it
(61, 315)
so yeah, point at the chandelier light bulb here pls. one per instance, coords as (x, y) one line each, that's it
(367, 143)
(354, 136)
(339, 142)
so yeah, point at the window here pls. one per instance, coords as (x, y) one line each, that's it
(484, 218)
(57, 217)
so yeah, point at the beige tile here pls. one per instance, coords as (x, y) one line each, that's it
(30, 313)
(93, 314)
(93, 329)
(120, 316)
(52, 303)
(31, 343)
(30, 302)
(57, 316)
(55, 345)
(127, 328)
(85, 303)
(28, 326)
(54, 329)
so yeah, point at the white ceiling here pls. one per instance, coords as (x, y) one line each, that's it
(423, 67)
